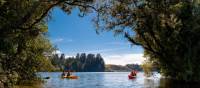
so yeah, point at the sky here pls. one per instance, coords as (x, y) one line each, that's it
(73, 34)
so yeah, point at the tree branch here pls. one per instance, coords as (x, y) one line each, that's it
(131, 39)
(43, 15)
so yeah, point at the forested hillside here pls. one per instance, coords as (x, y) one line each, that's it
(80, 63)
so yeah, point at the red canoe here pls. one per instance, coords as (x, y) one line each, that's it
(131, 77)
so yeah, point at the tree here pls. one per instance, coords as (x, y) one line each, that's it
(84, 63)
(62, 61)
(147, 68)
(168, 30)
(101, 62)
(22, 33)
(83, 57)
(55, 59)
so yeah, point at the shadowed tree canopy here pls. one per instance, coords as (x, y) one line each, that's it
(168, 30)
(25, 15)
(23, 42)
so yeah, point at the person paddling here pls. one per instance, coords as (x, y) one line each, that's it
(67, 68)
(133, 73)
(68, 73)
(63, 74)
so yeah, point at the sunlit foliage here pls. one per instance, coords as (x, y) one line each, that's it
(147, 67)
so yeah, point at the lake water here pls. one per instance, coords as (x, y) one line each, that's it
(106, 80)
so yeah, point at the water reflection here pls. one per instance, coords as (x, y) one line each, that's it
(167, 83)
(150, 83)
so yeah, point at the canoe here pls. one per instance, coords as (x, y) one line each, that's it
(46, 77)
(131, 77)
(70, 77)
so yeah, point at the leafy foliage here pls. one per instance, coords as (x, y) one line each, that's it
(147, 68)
(168, 30)
(23, 41)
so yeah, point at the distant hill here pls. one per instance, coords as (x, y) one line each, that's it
(134, 67)
(120, 68)
(116, 68)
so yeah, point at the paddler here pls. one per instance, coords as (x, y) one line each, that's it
(68, 73)
(67, 68)
(133, 73)
(63, 74)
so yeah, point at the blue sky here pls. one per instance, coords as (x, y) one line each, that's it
(73, 34)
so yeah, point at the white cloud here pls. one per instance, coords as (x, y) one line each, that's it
(57, 52)
(58, 40)
(124, 59)
(67, 56)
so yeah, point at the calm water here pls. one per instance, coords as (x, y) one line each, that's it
(106, 80)
(99, 80)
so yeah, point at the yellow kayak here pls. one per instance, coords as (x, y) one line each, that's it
(70, 77)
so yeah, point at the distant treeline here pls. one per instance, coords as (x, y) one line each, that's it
(134, 67)
(120, 68)
(128, 68)
(80, 63)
